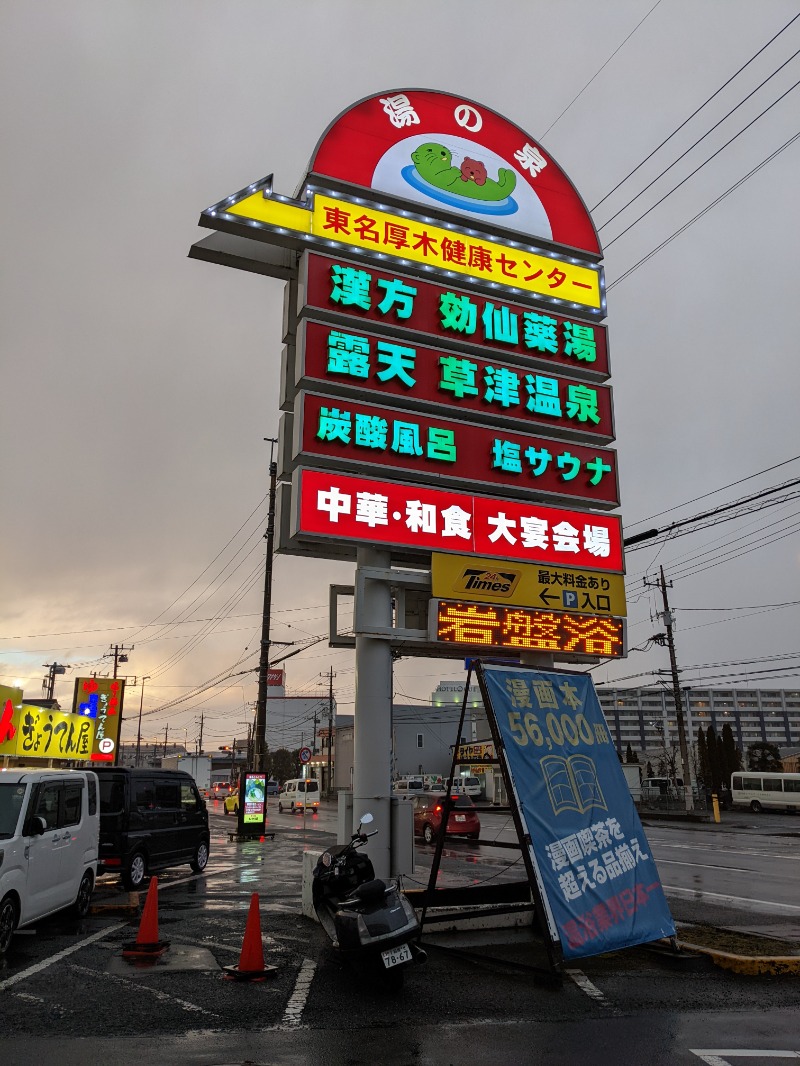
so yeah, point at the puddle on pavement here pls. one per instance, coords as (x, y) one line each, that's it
(176, 958)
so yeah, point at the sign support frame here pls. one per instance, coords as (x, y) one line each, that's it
(372, 733)
(542, 910)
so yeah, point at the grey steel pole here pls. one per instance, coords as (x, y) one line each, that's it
(260, 738)
(372, 741)
(329, 789)
(139, 731)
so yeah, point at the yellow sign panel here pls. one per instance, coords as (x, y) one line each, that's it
(48, 734)
(483, 749)
(366, 227)
(10, 707)
(100, 699)
(550, 588)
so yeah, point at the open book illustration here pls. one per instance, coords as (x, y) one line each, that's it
(572, 783)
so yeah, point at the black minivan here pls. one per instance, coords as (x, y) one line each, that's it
(150, 819)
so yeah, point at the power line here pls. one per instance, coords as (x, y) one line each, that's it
(600, 70)
(219, 553)
(723, 488)
(232, 601)
(756, 607)
(730, 556)
(670, 531)
(177, 622)
(696, 112)
(699, 140)
(700, 167)
(700, 214)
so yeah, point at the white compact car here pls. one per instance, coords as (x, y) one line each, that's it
(49, 835)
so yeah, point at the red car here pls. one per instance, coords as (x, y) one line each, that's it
(463, 820)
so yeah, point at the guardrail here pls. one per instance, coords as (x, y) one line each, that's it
(674, 799)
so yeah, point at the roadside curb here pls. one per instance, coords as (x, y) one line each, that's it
(750, 965)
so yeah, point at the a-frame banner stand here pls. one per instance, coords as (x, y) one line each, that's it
(540, 903)
(584, 847)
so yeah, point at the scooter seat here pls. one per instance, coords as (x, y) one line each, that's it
(369, 892)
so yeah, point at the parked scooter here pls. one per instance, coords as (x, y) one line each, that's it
(368, 920)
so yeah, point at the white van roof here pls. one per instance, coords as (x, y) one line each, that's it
(27, 773)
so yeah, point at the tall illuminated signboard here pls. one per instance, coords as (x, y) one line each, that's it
(445, 377)
(89, 733)
(252, 803)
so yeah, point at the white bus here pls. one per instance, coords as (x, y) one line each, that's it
(757, 790)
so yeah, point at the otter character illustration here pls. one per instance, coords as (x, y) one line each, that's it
(474, 169)
(434, 163)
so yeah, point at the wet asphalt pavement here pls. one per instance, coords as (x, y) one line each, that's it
(67, 996)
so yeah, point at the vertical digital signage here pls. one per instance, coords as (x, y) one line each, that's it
(252, 803)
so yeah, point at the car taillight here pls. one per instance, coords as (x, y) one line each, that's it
(112, 862)
(437, 809)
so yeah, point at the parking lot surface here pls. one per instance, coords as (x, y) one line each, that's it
(65, 986)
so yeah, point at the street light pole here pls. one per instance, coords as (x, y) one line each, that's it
(139, 731)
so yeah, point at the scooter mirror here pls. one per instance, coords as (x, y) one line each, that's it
(365, 819)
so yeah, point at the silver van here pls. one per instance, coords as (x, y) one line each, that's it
(408, 787)
(299, 794)
(49, 835)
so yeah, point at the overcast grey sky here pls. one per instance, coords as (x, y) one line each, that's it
(138, 384)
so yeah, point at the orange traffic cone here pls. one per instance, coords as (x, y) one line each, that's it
(147, 944)
(251, 960)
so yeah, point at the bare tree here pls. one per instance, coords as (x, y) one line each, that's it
(668, 753)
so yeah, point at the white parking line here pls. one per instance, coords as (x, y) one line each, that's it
(728, 851)
(140, 986)
(45, 963)
(704, 866)
(591, 990)
(721, 1056)
(735, 901)
(293, 1014)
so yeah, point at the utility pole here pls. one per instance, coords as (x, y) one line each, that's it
(260, 745)
(118, 651)
(166, 734)
(331, 676)
(200, 738)
(49, 683)
(139, 730)
(233, 758)
(666, 616)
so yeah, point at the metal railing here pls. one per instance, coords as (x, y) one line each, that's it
(673, 799)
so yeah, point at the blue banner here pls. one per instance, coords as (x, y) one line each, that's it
(588, 845)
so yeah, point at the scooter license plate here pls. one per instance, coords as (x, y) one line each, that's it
(394, 956)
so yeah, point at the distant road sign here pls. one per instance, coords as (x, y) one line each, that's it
(305, 755)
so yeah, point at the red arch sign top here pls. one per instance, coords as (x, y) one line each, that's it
(451, 154)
